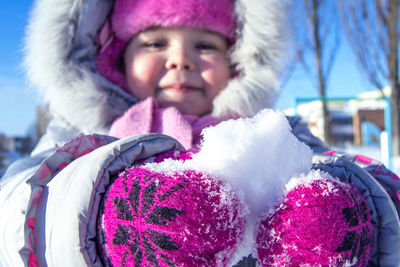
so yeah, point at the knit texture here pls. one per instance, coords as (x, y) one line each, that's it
(179, 219)
(146, 117)
(130, 17)
(323, 223)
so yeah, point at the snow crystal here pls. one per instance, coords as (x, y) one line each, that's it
(306, 179)
(257, 156)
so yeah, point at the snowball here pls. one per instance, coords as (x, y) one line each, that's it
(257, 156)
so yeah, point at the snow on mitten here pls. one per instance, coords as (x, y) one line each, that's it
(182, 219)
(181, 155)
(321, 222)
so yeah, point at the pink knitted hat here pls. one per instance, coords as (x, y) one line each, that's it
(175, 219)
(130, 17)
(324, 223)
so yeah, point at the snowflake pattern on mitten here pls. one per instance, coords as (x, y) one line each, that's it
(185, 219)
(324, 222)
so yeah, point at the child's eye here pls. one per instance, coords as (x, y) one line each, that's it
(155, 45)
(205, 46)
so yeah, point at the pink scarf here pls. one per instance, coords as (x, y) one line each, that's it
(146, 117)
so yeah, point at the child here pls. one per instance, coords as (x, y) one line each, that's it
(121, 69)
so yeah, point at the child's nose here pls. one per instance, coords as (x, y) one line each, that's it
(180, 61)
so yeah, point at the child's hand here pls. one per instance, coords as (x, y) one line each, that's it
(182, 219)
(321, 221)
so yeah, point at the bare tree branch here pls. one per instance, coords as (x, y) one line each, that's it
(317, 41)
(372, 28)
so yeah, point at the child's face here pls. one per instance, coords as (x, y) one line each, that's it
(182, 67)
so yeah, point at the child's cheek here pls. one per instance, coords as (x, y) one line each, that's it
(216, 73)
(142, 74)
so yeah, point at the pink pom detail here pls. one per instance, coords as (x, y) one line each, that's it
(33, 262)
(394, 176)
(83, 153)
(397, 196)
(363, 159)
(36, 196)
(61, 166)
(31, 223)
(44, 172)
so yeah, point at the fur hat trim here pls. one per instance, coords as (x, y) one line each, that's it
(62, 50)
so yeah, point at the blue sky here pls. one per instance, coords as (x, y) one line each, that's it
(18, 99)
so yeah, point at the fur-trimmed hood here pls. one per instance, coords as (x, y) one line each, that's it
(61, 61)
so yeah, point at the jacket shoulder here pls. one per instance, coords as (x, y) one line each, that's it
(300, 130)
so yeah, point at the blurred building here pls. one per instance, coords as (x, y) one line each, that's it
(342, 129)
(13, 148)
(358, 120)
(368, 123)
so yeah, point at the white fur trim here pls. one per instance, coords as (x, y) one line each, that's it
(61, 54)
(256, 56)
(61, 62)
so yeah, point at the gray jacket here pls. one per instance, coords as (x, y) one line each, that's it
(52, 199)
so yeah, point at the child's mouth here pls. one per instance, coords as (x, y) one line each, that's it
(182, 88)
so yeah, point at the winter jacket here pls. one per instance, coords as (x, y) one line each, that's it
(52, 208)
(50, 199)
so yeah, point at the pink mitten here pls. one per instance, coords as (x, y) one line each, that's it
(323, 222)
(177, 219)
